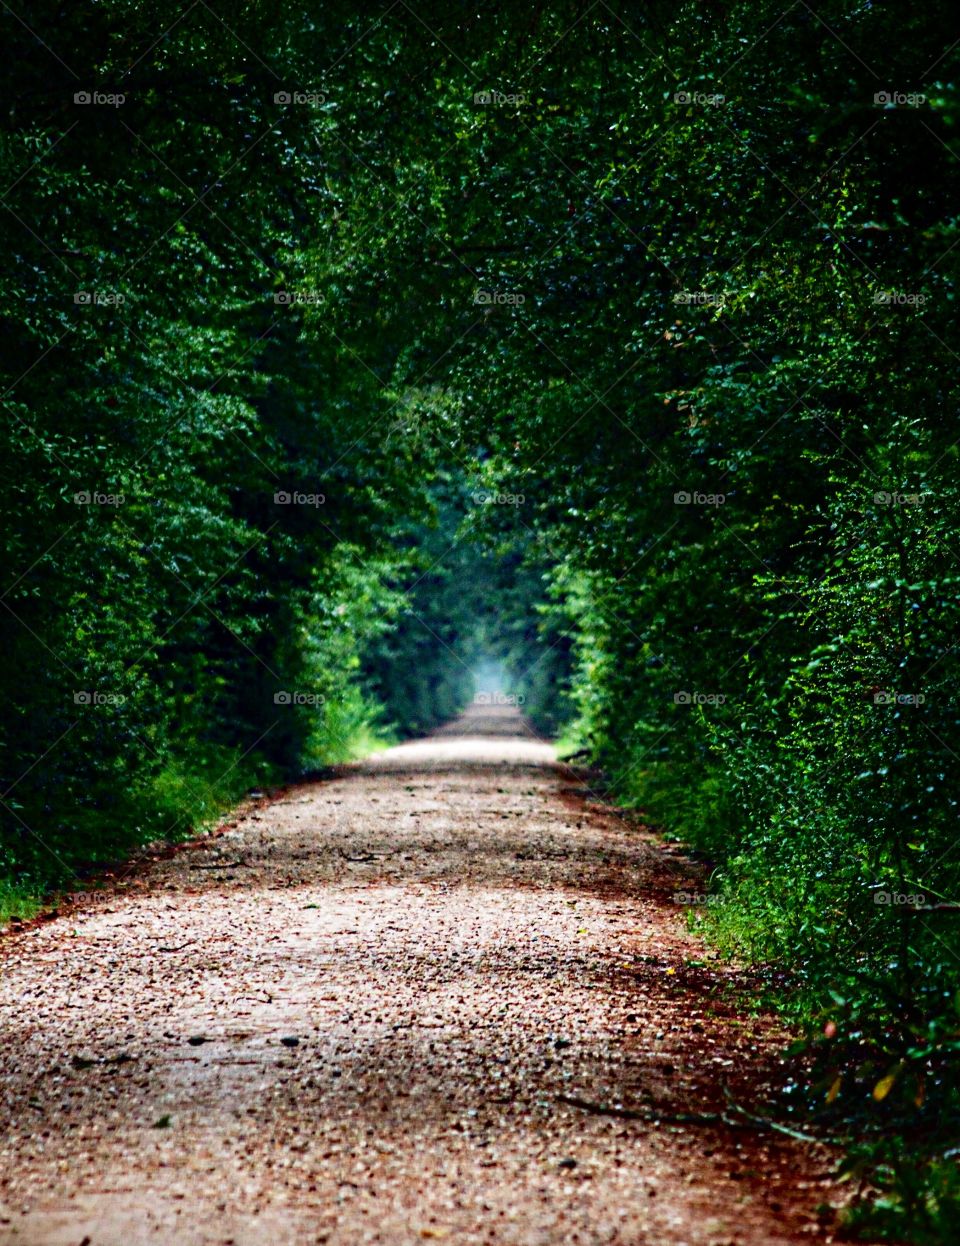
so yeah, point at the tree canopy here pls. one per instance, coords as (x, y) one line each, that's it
(346, 347)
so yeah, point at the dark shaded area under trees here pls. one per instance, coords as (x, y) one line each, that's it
(615, 342)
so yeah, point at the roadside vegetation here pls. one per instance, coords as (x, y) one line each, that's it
(614, 343)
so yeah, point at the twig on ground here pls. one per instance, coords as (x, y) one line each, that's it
(764, 1122)
(655, 1116)
(642, 1114)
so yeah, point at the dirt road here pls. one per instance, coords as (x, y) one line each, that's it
(360, 1015)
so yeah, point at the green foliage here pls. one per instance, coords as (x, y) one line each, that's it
(18, 900)
(176, 631)
(716, 354)
(620, 342)
(232, 488)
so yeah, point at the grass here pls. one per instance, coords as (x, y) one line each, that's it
(765, 919)
(18, 900)
(187, 799)
(568, 744)
(349, 728)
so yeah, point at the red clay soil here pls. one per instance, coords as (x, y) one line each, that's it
(361, 1015)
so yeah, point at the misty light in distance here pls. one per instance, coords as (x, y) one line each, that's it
(488, 681)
